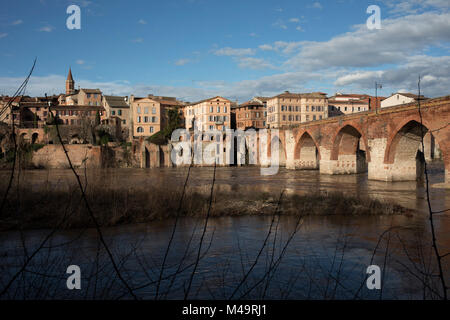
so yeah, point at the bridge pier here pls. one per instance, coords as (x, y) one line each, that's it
(346, 164)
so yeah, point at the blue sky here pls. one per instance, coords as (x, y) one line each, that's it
(193, 49)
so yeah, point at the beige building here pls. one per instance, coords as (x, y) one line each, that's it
(399, 99)
(209, 114)
(292, 108)
(116, 106)
(148, 115)
(341, 104)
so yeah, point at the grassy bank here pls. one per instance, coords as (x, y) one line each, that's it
(46, 208)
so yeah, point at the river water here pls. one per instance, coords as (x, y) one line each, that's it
(240, 257)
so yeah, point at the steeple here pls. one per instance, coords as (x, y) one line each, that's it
(70, 84)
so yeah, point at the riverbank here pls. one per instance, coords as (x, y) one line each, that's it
(50, 207)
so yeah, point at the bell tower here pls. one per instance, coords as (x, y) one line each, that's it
(70, 84)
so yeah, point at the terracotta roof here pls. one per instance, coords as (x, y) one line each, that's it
(251, 103)
(91, 90)
(333, 101)
(288, 94)
(201, 101)
(116, 102)
(410, 95)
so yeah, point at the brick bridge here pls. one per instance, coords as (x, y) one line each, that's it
(385, 142)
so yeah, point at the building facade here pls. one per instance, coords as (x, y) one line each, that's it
(292, 108)
(209, 114)
(251, 114)
(148, 115)
(397, 99)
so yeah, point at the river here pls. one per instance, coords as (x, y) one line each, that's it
(326, 258)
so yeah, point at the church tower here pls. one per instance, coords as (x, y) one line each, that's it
(70, 84)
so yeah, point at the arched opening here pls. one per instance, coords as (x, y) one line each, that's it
(34, 137)
(349, 151)
(406, 154)
(75, 139)
(23, 137)
(161, 158)
(306, 154)
(147, 158)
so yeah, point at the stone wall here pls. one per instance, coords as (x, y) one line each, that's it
(81, 155)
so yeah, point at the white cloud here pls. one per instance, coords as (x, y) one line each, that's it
(265, 47)
(399, 37)
(46, 29)
(316, 5)
(142, 21)
(227, 51)
(294, 20)
(254, 63)
(80, 62)
(299, 28)
(287, 47)
(138, 40)
(2, 35)
(415, 6)
(280, 24)
(17, 22)
(434, 71)
(182, 62)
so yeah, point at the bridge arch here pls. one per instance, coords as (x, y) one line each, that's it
(404, 149)
(349, 149)
(306, 152)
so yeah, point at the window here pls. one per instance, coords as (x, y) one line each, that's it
(140, 129)
(139, 119)
(154, 119)
(211, 109)
(307, 107)
(119, 112)
(151, 129)
(88, 95)
(146, 119)
(138, 109)
(113, 113)
(146, 110)
(225, 109)
(296, 108)
(284, 118)
(314, 117)
(124, 121)
(154, 111)
(320, 117)
(218, 109)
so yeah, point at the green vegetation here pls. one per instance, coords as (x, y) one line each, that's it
(173, 122)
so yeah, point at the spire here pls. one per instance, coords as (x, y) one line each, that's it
(69, 76)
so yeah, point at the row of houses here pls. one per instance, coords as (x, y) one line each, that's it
(144, 116)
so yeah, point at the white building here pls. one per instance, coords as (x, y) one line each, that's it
(397, 99)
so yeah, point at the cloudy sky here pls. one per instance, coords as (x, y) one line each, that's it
(194, 49)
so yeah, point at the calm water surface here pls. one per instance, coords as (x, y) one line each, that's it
(326, 258)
